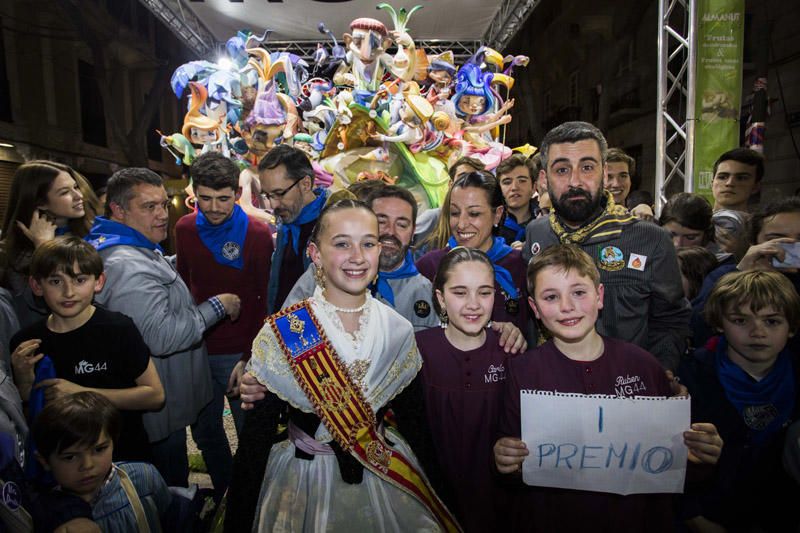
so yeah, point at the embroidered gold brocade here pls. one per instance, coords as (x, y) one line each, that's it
(400, 366)
(358, 371)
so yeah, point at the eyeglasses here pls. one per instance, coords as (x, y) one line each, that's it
(277, 195)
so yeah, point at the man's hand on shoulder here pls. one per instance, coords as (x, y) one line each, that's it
(511, 338)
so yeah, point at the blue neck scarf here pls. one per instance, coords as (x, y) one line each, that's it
(513, 225)
(225, 241)
(502, 276)
(107, 233)
(309, 213)
(766, 405)
(62, 230)
(383, 288)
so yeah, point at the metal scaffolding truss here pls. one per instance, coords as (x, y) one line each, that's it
(675, 120)
(185, 24)
(507, 22)
(509, 19)
(462, 50)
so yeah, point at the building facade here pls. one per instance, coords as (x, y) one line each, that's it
(597, 61)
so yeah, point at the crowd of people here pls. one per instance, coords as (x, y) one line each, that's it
(373, 356)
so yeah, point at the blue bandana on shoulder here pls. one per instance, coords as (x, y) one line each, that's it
(383, 288)
(309, 213)
(513, 225)
(502, 276)
(765, 405)
(225, 241)
(107, 233)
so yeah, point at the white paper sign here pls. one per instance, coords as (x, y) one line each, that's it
(604, 443)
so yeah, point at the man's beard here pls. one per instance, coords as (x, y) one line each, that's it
(391, 258)
(286, 215)
(576, 211)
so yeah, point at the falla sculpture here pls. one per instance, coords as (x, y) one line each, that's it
(371, 105)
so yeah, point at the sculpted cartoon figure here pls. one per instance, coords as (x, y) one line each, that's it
(441, 72)
(202, 129)
(414, 113)
(274, 117)
(367, 60)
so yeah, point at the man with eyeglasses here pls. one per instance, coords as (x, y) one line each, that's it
(287, 182)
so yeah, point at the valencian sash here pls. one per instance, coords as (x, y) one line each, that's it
(341, 406)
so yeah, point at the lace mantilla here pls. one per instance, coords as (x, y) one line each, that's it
(356, 337)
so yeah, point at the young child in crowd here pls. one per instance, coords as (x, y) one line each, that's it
(695, 262)
(746, 382)
(75, 436)
(463, 372)
(91, 348)
(566, 295)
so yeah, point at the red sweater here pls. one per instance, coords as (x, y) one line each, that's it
(206, 278)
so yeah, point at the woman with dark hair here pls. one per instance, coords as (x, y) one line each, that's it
(47, 199)
(474, 207)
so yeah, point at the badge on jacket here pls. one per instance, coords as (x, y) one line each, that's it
(231, 250)
(637, 262)
(611, 259)
(422, 308)
(512, 306)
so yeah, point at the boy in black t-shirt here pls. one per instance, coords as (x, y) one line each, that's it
(91, 348)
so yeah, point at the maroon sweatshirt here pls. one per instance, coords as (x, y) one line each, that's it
(206, 278)
(549, 509)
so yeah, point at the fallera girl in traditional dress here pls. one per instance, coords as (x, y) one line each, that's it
(333, 364)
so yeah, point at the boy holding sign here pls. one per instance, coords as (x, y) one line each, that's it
(566, 295)
(746, 381)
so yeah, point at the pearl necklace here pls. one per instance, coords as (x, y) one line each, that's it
(345, 309)
(349, 309)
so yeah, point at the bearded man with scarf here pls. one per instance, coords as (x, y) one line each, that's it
(644, 302)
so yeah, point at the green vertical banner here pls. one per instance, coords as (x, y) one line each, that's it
(718, 85)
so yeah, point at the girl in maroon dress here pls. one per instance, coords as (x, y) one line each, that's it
(462, 373)
(474, 206)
